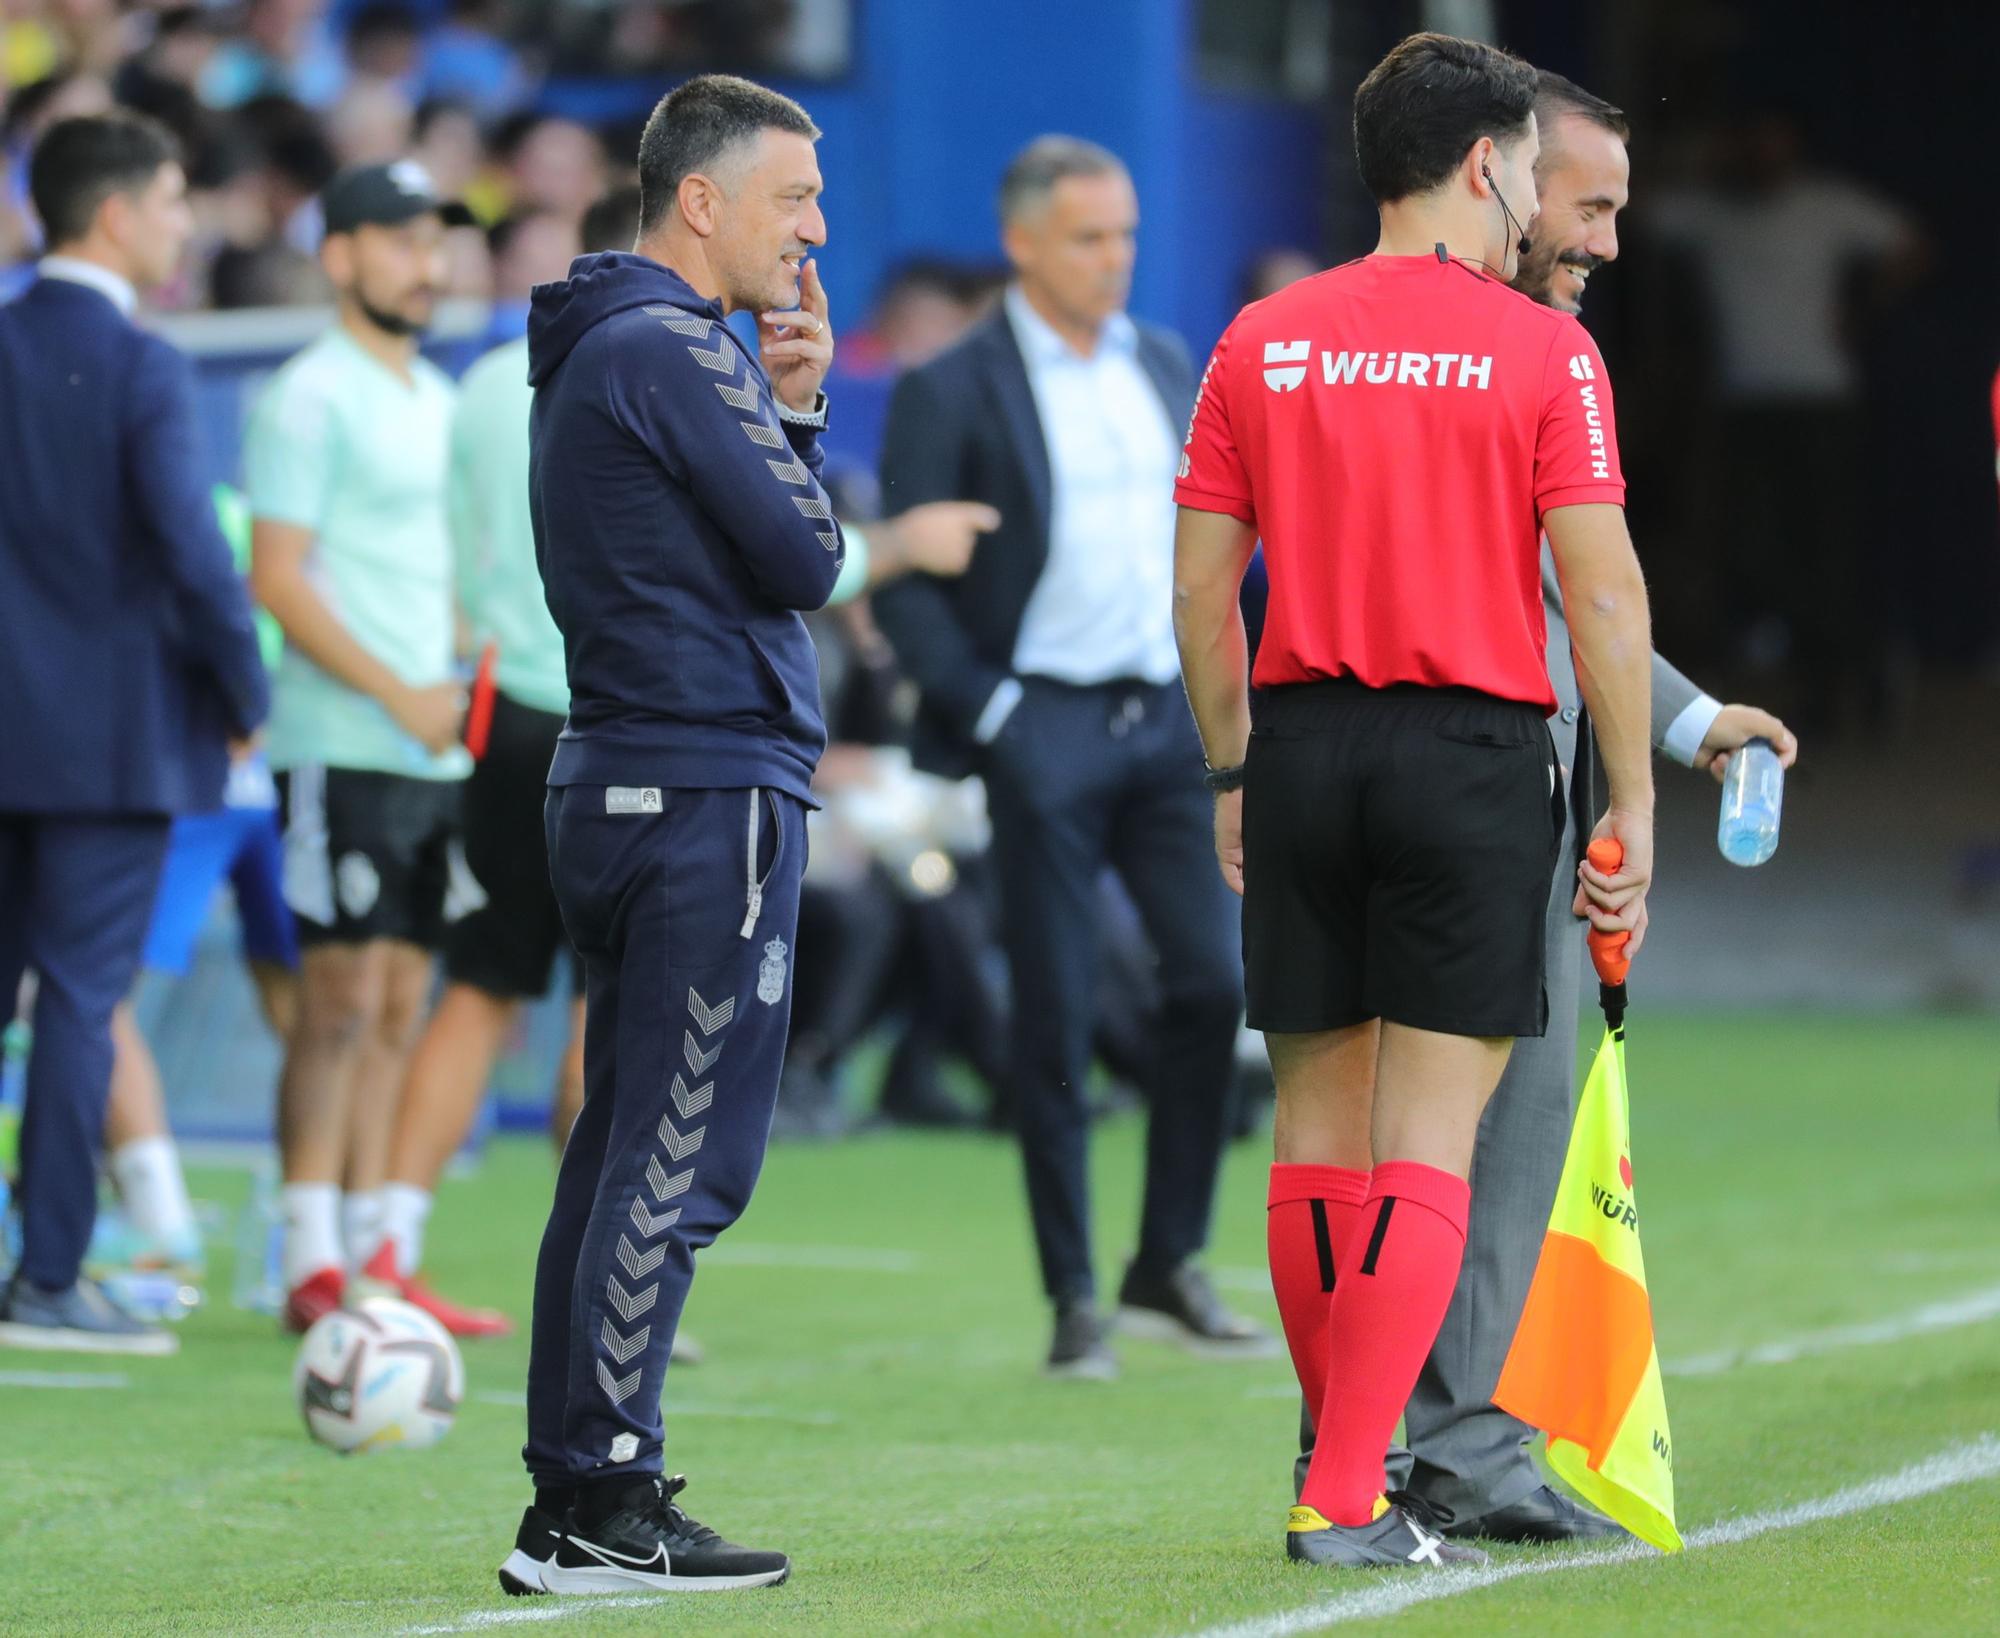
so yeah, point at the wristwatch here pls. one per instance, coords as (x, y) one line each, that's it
(1223, 780)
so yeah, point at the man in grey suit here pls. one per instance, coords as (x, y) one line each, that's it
(1467, 1463)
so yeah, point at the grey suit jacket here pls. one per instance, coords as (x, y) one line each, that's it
(1672, 694)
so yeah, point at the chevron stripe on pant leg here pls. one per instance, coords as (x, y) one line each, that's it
(685, 1041)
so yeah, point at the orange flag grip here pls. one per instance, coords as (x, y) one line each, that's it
(1607, 950)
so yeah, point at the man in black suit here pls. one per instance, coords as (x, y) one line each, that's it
(1050, 669)
(127, 662)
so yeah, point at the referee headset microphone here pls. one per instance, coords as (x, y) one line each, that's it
(1525, 244)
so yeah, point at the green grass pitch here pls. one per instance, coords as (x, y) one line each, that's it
(871, 1403)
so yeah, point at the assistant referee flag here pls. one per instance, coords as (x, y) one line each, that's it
(1584, 1367)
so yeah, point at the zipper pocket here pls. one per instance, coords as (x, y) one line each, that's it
(753, 885)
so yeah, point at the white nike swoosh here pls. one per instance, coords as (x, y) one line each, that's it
(656, 1563)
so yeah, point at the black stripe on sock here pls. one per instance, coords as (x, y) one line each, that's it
(1323, 1244)
(1381, 1230)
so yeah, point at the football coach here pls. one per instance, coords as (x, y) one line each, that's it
(680, 528)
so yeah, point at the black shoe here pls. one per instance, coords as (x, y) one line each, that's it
(1542, 1515)
(534, 1545)
(1394, 1538)
(1079, 1348)
(649, 1542)
(1182, 1307)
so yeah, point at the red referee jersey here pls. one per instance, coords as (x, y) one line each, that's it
(1395, 428)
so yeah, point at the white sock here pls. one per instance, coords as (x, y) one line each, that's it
(404, 1210)
(361, 1226)
(312, 1230)
(148, 1174)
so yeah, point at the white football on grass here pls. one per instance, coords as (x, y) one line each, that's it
(378, 1374)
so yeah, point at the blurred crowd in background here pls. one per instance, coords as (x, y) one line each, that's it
(271, 97)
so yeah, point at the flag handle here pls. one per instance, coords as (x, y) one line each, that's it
(1607, 950)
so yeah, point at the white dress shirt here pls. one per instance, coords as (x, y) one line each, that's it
(101, 279)
(1682, 740)
(1103, 608)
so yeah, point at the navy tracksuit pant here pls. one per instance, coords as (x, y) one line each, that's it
(683, 905)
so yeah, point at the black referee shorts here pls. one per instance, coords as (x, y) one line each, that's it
(508, 945)
(1398, 846)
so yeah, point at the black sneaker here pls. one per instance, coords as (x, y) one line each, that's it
(1078, 1348)
(1395, 1537)
(649, 1542)
(1181, 1307)
(1541, 1516)
(534, 1545)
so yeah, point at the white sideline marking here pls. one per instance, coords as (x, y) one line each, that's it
(559, 1609)
(64, 1379)
(1961, 1464)
(744, 1413)
(1974, 1308)
(845, 1259)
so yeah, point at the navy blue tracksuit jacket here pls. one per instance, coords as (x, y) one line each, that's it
(681, 528)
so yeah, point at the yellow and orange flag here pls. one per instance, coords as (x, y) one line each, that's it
(1583, 1366)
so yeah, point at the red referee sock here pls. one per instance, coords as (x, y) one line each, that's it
(1389, 1299)
(1313, 1210)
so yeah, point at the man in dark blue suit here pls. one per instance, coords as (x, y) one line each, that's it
(128, 663)
(1050, 669)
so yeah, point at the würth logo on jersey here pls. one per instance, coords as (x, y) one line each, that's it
(1406, 370)
(1582, 368)
(1286, 352)
(1593, 419)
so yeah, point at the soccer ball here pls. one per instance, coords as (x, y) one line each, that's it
(376, 1374)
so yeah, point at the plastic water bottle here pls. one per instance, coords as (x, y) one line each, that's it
(259, 1285)
(1753, 798)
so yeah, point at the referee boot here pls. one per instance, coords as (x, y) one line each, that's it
(630, 1535)
(1392, 1537)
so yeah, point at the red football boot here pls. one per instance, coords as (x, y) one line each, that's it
(314, 1298)
(380, 1272)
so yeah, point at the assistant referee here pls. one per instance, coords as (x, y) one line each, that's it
(1398, 431)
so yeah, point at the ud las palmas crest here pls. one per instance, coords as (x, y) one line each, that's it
(771, 973)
